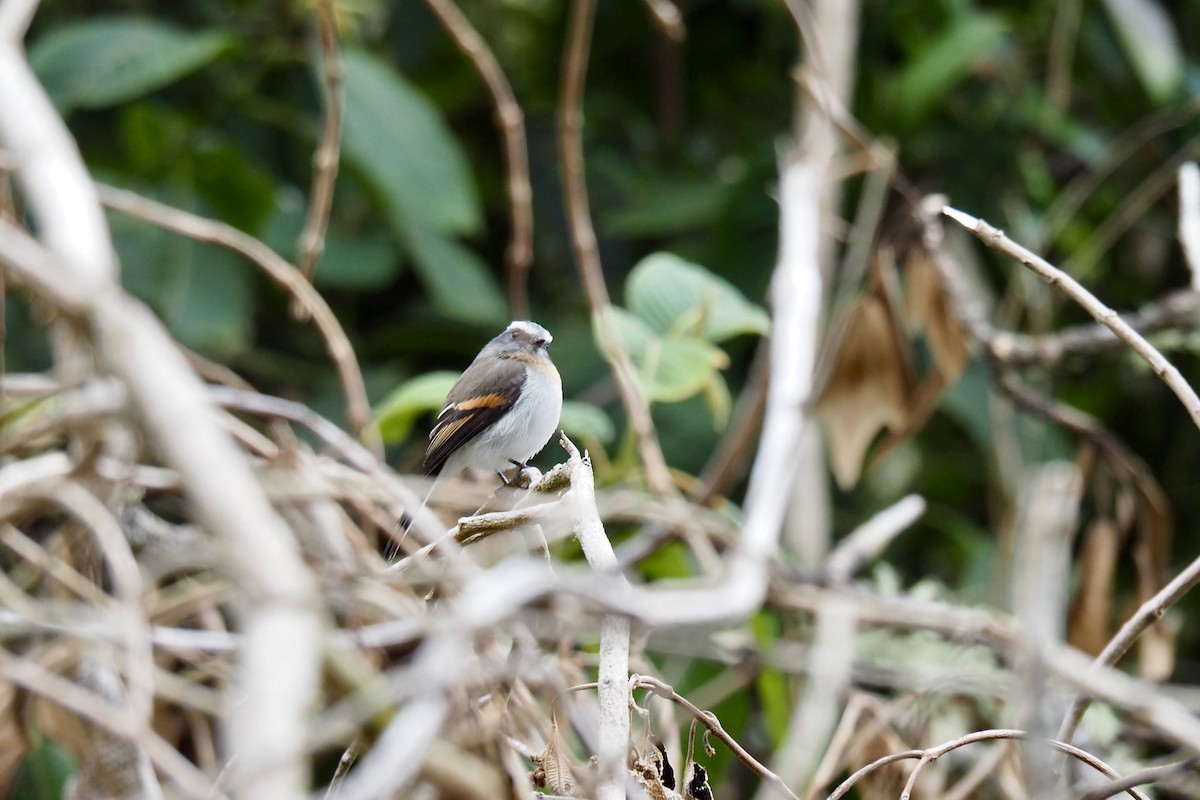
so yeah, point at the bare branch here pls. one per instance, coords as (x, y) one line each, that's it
(710, 721)
(868, 540)
(613, 676)
(931, 754)
(511, 122)
(1189, 219)
(587, 253)
(325, 159)
(358, 408)
(279, 662)
(666, 15)
(1164, 369)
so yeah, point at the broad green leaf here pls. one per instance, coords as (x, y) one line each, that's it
(364, 262)
(675, 296)
(43, 773)
(397, 141)
(204, 294)
(212, 305)
(400, 410)
(457, 279)
(108, 60)
(238, 191)
(669, 207)
(670, 368)
(152, 136)
(1151, 44)
(586, 421)
(359, 260)
(672, 560)
(636, 336)
(941, 64)
(681, 368)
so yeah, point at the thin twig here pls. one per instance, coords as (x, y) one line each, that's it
(933, 753)
(344, 764)
(1176, 310)
(709, 720)
(814, 715)
(869, 539)
(727, 464)
(587, 253)
(511, 122)
(30, 675)
(325, 158)
(358, 408)
(1164, 369)
(1130, 210)
(1149, 613)
(1141, 778)
(1132, 141)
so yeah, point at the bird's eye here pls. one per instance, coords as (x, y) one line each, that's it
(515, 335)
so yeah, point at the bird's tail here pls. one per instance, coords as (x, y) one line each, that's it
(406, 521)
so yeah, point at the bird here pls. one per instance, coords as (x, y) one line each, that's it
(500, 413)
(504, 408)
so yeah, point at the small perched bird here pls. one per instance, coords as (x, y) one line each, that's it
(499, 414)
(503, 409)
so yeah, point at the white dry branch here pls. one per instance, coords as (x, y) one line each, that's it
(613, 678)
(1189, 219)
(277, 680)
(869, 539)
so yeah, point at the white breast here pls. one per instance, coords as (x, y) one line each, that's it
(523, 431)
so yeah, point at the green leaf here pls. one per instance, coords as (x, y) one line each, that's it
(672, 560)
(152, 136)
(43, 773)
(1151, 44)
(212, 305)
(670, 368)
(458, 280)
(636, 336)
(942, 63)
(397, 141)
(359, 260)
(364, 262)
(204, 294)
(674, 295)
(664, 208)
(400, 410)
(586, 421)
(240, 193)
(106, 61)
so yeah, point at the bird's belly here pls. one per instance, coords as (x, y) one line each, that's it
(524, 430)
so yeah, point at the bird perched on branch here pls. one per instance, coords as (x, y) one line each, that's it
(503, 409)
(501, 412)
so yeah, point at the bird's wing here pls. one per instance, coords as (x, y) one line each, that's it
(482, 395)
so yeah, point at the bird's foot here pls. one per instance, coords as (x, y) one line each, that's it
(524, 477)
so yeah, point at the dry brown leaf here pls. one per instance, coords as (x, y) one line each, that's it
(554, 767)
(648, 770)
(1088, 622)
(929, 311)
(869, 388)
